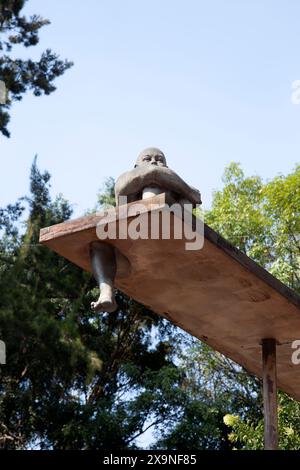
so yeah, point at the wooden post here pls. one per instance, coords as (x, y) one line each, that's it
(270, 393)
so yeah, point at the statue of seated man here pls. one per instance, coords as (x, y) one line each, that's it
(150, 177)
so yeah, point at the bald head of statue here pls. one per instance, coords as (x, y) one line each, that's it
(151, 156)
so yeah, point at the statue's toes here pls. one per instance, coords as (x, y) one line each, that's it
(105, 306)
(96, 306)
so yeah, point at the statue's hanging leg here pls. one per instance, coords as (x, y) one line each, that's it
(103, 261)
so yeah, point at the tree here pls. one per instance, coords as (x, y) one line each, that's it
(74, 379)
(79, 380)
(262, 220)
(248, 433)
(20, 75)
(213, 387)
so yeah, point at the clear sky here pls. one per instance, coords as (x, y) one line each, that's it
(207, 81)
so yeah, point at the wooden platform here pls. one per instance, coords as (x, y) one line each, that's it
(217, 293)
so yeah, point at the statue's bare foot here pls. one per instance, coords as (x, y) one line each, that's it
(104, 304)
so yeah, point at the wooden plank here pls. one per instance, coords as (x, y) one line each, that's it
(217, 294)
(255, 268)
(270, 393)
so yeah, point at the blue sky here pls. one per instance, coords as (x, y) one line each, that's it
(209, 82)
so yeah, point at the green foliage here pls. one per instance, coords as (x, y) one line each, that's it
(213, 385)
(223, 404)
(79, 380)
(251, 434)
(106, 198)
(73, 379)
(263, 220)
(21, 75)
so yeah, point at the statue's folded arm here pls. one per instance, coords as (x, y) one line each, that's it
(133, 182)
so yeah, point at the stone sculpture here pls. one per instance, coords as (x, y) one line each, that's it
(150, 177)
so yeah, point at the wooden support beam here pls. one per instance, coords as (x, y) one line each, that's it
(270, 393)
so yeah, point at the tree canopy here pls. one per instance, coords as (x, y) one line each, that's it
(263, 220)
(21, 75)
(73, 379)
(79, 380)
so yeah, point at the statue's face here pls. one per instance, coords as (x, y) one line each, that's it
(151, 156)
